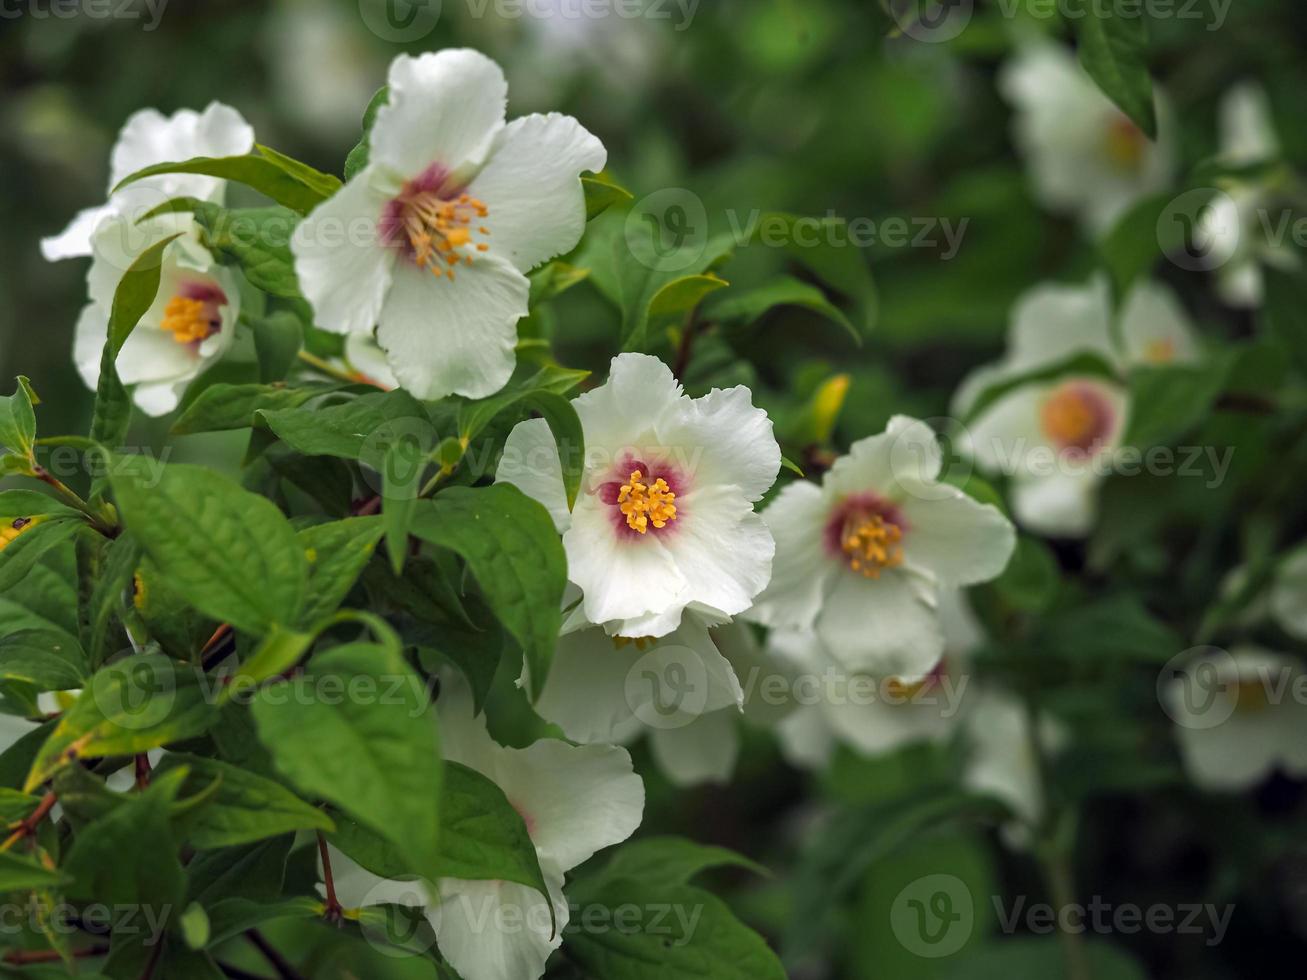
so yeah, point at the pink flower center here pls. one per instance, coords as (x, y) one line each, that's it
(642, 497)
(434, 223)
(866, 533)
(1076, 416)
(194, 313)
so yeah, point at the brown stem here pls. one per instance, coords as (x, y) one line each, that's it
(278, 962)
(370, 506)
(142, 770)
(33, 821)
(686, 347)
(334, 908)
(21, 957)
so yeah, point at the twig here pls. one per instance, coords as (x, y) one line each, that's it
(334, 908)
(33, 821)
(278, 962)
(22, 957)
(236, 973)
(686, 347)
(340, 374)
(142, 770)
(369, 506)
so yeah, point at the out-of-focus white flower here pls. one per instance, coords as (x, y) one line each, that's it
(862, 558)
(1055, 437)
(1086, 157)
(431, 241)
(1236, 224)
(872, 715)
(1288, 600)
(574, 800)
(664, 524)
(148, 138)
(364, 357)
(191, 323)
(1238, 717)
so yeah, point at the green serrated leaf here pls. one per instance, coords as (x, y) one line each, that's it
(48, 660)
(337, 554)
(265, 175)
(324, 184)
(348, 430)
(233, 406)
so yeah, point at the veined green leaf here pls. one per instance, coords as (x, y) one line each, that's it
(265, 175)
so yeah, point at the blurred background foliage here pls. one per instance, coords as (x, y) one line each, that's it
(801, 106)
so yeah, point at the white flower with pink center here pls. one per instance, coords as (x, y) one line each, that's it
(575, 800)
(146, 139)
(1056, 436)
(430, 243)
(861, 559)
(191, 323)
(664, 524)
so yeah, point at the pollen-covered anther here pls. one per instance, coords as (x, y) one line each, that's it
(644, 504)
(190, 320)
(440, 230)
(10, 528)
(872, 544)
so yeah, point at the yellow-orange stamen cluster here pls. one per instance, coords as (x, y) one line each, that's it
(643, 504)
(437, 228)
(641, 643)
(10, 528)
(900, 690)
(1160, 351)
(1125, 144)
(189, 320)
(1068, 417)
(872, 544)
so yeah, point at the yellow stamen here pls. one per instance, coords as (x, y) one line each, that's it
(871, 545)
(140, 594)
(1160, 351)
(641, 642)
(900, 690)
(1125, 144)
(189, 320)
(437, 228)
(644, 505)
(1068, 417)
(11, 527)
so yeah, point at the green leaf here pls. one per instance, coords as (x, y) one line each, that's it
(672, 860)
(374, 753)
(134, 296)
(265, 175)
(1032, 579)
(17, 420)
(131, 706)
(743, 308)
(245, 808)
(19, 874)
(337, 554)
(109, 593)
(233, 406)
(257, 240)
(358, 157)
(1116, 628)
(324, 184)
(698, 936)
(280, 651)
(231, 917)
(36, 535)
(16, 806)
(112, 414)
(1113, 49)
(672, 305)
(557, 412)
(482, 837)
(1043, 957)
(1166, 401)
(229, 551)
(473, 644)
(129, 856)
(194, 926)
(509, 543)
(278, 338)
(1284, 313)
(825, 252)
(402, 471)
(46, 659)
(554, 278)
(349, 429)
(601, 193)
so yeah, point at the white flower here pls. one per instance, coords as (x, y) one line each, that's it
(1056, 437)
(1238, 716)
(432, 240)
(1086, 157)
(364, 357)
(191, 323)
(872, 715)
(664, 522)
(862, 557)
(1002, 761)
(574, 799)
(1232, 229)
(148, 138)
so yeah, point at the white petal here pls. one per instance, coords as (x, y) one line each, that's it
(148, 138)
(444, 108)
(494, 930)
(1288, 598)
(88, 343)
(1059, 505)
(873, 726)
(888, 627)
(806, 739)
(344, 270)
(1051, 322)
(530, 463)
(621, 414)
(1246, 126)
(531, 185)
(703, 751)
(724, 440)
(1008, 436)
(907, 447)
(575, 799)
(1155, 328)
(75, 240)
(962, 630)
(444, 336)
(956, 538)
(364, 356)
(159, 398)
(623, 577)
(118, 242)
(802, 572)
(1002, 761)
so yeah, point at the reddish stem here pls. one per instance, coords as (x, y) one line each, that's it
(334, 908)
(33, 821)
